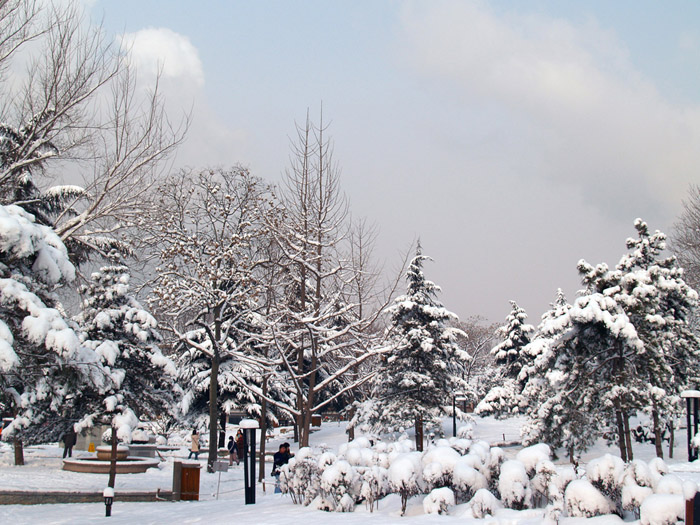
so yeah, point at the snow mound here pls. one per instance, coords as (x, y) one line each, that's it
(662, 509)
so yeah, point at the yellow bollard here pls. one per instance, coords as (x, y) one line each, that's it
(91, 447)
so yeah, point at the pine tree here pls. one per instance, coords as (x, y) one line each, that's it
(419, 376)
(660, 304)
(504, 398)
(125, 337)
(43, 365)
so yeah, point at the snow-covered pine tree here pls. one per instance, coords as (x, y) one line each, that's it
(125, 337)
(42, 362)
(419, 375)
(504, 398)
(659, 304)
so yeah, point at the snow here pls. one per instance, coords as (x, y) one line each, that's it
(42, 472)
(584, 500)
(248, 423)
(662, 509)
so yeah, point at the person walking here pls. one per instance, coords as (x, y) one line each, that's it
(232, 451)
(69, 438)
(194, 446)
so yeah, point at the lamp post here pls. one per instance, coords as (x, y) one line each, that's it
(249, 426)
(109, 499)
(692, 399)
(457, 396)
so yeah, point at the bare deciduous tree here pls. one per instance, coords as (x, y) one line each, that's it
(686, 237)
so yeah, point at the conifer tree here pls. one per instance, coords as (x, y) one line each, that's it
(125, 337)
(419, 376)
(505, 397)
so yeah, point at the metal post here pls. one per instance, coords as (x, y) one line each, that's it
(687, 420)
(249, 427)
(454, 416)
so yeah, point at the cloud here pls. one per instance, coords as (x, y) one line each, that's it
(162, 50)
(585, 115)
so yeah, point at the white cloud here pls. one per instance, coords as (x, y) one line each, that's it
(588, 118)
(161, 49)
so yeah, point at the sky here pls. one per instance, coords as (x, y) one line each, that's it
(511, 138)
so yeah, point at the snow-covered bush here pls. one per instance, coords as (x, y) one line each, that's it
(438, 465)
(341, 484)
(375, 485)
(438, 501)
(544, 483)
(606, 474)
(466, 480)
(514, 485)
(669, 484)
(405, 476)
(662, 509)
(531, 456)
(300, 478)
(484, 503)
(584, 500)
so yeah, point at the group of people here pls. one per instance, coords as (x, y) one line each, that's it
(235, 447)
(280, 459)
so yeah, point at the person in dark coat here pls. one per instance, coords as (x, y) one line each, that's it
(69, 438)
(280, 459)
(232, 451)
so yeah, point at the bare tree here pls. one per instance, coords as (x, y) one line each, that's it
(79, 109)
(685, 240)
(208, 229)
(318, 336)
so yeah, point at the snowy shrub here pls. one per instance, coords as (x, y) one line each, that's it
(466, 480)
(484, 504)
(405, 476)
(544, 483)
(438, 466)
(658, 469)
(531, 456)
(662, 509)
(340, 484)
(438, 501)
(375, 485)
(465, 432)
(606, 474)
(633, 496)
(359, 456)
(514, 485)
(300, 478)
(669, 484)
(639, 472)
(583, 500)
(326, 459)
(460, 445)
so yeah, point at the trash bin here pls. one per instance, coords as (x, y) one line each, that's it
(186, 481)
(692, 510)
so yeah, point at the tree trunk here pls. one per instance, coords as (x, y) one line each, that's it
(621, 435)
(419, 433)
(628, 437)
(263, 430)
(113, 459)
(671, 438)
(213, 411)
(657, 432)
(572, 458)
(19, 452)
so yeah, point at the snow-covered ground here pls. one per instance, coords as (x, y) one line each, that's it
(43, 472)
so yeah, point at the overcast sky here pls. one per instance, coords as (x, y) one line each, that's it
(513, 138)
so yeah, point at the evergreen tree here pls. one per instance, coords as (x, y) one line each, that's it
(125, 337)
(505, 398)
(43, 365)
(419, 376)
